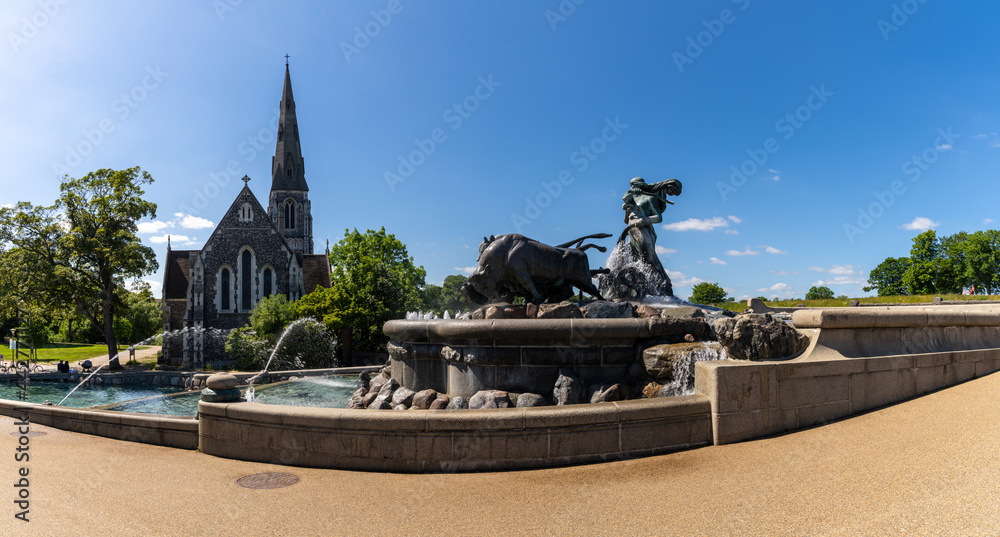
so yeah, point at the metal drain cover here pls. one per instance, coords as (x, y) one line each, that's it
(267, 480)
(31, 434)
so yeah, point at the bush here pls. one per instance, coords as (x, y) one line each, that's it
(307, 345)
(249, 352)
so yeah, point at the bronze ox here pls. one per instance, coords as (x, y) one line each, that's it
(513, 265)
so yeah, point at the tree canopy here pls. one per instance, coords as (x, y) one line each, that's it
(887, 277)
(373, 280)
(818, 293)
(708, 293)
(78, 252)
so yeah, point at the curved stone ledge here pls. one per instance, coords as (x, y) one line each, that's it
(572, 332)
(858, 360)
(453, 440)
(145, 428)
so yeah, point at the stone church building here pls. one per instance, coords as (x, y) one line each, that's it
(253, 253)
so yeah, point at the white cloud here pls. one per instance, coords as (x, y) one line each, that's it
(736, 219)
(195, 222)
(778, 287)
(842, 270)
(717, 261)
(776, 176)
(784, 272)
(465, 270)
(694, 224)
(7, 205)
(944, 147)
(921, 223)
(153, 227)
(840, 280)
(738, 253)
(162, 239)
(772, 250)
(987, 221)
(662, 250)
(732, 232)
(680, 280)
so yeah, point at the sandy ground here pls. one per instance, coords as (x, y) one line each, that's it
(930, 466)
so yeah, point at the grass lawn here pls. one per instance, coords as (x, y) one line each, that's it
(844, 302)
(71, 352)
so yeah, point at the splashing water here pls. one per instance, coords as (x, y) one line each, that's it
(683, 370)
(250, 392)
(631, 277)
(94, 372)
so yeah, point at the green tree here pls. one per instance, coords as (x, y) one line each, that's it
(447, 296)
(373, 281)
(271, 315)
(982, 260)
(923, 275)
(819, 293)
(708, 293)
(142, 312)
(887, 277)
(81, 250)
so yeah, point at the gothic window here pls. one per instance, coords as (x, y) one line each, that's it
(225, 290)
(281, 132)
(245, 281)
(246, 213)
(289, 214)
(267, 282)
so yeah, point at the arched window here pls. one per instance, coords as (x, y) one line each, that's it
(281, 132)
(225, 289)
(267, 282)
(290, 214)
(245, 280)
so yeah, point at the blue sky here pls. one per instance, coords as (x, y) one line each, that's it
(853, 125)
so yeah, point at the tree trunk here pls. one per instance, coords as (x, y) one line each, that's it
(109, 336)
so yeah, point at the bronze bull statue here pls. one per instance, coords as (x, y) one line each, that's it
(513, 265)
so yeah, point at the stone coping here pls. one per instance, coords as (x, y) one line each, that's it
(453, 440)
(503, 331)
(897, 317)
(170, 431)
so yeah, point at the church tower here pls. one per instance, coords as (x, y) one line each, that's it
(288, 206)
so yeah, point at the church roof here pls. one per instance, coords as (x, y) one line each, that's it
(287, 165)
(176, 274)
(315, 271)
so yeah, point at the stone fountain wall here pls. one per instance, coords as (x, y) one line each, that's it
(462, 357)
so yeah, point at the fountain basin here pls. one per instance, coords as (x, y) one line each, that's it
(458, 440)
(462, 357)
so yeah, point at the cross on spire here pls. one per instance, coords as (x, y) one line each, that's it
(286, 59)
(246, 179)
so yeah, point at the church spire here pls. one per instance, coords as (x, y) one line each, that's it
(287, 169)
(288, 205)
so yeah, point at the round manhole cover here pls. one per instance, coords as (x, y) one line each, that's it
(267, 480)
(31, 434)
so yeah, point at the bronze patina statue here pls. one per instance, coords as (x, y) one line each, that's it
(644, 205)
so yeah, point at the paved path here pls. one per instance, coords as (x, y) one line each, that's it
(930, 466)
